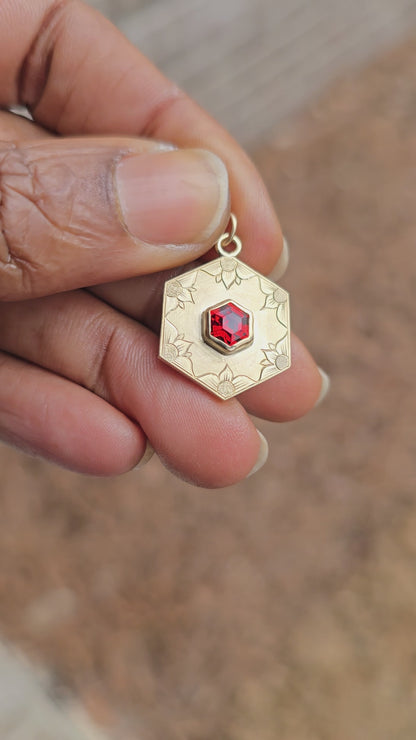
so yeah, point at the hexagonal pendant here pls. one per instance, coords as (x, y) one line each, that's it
(225, 326)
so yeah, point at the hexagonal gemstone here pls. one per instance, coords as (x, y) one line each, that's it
(229, 323)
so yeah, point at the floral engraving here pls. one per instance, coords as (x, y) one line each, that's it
(175, 345)
(179, 294)
(228, 271)
(226, 384)
(275, 356)
(275, 295)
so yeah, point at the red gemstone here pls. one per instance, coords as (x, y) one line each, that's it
(229, 323)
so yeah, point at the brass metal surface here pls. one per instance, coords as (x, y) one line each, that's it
(182, 345)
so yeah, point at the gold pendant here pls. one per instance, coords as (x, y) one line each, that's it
(224, 325)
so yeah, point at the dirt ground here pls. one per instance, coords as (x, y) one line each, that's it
(283, 608)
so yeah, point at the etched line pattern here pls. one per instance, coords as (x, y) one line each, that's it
(229, 271)
(178, 293)
(226, 383)
(176, 347)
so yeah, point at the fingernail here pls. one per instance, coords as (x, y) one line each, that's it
(147, 456)
(262, 456)
(172, 197)
(282, 263)
(326, 382)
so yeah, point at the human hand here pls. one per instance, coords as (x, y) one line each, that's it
(80, 381)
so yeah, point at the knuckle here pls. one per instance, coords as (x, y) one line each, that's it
(106, 340)
(16, 267)
(174, 98)
(35, 69)
(56, 209)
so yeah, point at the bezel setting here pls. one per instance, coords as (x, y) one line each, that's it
(218, 344)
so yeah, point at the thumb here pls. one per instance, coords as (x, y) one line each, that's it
(77, 212)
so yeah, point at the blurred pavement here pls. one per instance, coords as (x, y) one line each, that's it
(251, 63)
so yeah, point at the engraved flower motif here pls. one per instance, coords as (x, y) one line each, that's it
(170, 352)
(275, 357)
(228, 271)
(179, 293)
(175, 345)
(226, 383)
(275, 296)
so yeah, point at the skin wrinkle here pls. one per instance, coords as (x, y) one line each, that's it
(18, 252)
(69, 178)
(172, 97)
(108, 158)
(5, 257)
(70, 92)
(35, 200)
(100, 335)
(98, 382)
(42, 201)
(34, 72)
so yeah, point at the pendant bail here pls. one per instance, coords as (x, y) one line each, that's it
(224, 325)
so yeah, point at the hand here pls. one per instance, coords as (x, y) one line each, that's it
(80, 382)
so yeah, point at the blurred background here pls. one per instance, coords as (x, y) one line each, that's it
(283, 608)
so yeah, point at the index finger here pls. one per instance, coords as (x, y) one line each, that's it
(79, 75)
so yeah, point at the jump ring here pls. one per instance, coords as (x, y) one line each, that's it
(223, 242)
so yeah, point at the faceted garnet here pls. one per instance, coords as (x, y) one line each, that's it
(229, 323)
